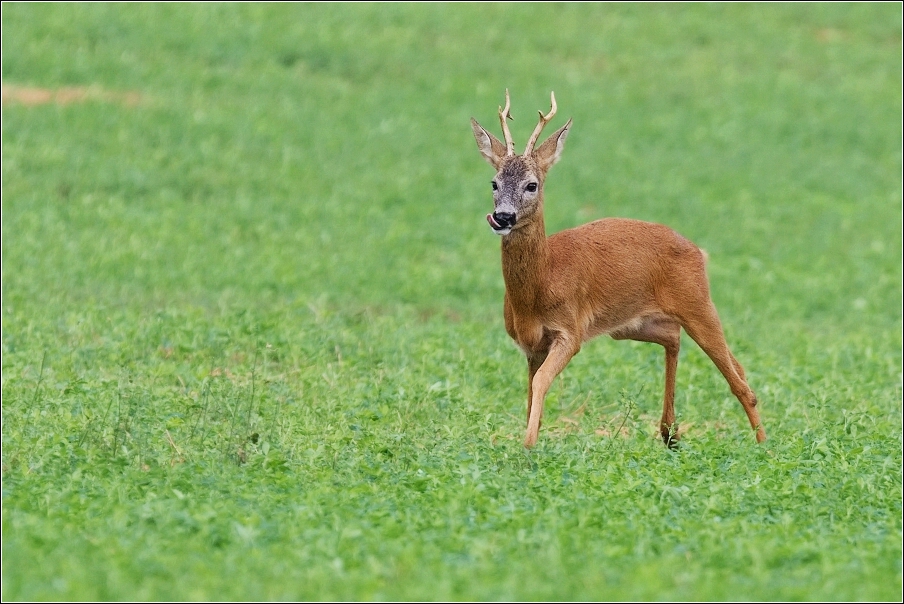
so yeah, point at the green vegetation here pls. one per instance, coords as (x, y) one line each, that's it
(252, 340)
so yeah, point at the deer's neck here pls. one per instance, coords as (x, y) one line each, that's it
(525, 262)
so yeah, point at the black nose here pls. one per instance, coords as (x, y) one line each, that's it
(504, 219)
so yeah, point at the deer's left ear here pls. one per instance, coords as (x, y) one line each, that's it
(549, 152)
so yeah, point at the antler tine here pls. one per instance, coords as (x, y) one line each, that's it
(544, 119)
(503, 115)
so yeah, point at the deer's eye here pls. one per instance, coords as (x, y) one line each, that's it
(531, 186)
(495, 186)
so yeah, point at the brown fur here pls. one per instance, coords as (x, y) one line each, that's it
(625, 278)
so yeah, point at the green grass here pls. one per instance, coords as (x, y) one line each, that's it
(252, 340)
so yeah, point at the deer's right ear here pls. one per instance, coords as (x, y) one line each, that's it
(490, 147)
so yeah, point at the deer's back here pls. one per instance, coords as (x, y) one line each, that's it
(621, 269)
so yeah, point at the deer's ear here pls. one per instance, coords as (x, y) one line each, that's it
(490, 147)
(549, 152)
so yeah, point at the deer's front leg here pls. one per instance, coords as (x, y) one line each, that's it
(533, 340)
(560, 352)
(534, 362)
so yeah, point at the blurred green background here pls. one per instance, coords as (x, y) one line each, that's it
(339, 136)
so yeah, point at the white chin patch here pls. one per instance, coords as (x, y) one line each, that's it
(502, 232)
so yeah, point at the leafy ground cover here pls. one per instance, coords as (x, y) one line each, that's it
(252, 337)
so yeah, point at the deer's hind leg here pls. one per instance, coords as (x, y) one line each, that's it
(666, 332)
(706, 330)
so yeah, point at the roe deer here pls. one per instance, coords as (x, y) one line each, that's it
(625, 278)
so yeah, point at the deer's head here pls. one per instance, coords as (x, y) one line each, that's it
(518, 184)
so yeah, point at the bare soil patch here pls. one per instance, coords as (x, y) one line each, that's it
(32, 96)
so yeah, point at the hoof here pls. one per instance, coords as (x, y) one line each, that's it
(670, 436)
(760, 434)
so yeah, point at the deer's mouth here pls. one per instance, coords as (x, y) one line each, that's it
(500, 226)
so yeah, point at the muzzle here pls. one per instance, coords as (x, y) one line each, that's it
(501, 222)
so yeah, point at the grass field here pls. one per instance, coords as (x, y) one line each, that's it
(252, 338)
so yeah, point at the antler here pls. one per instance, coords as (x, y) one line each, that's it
(544, 119)
(503, 115)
